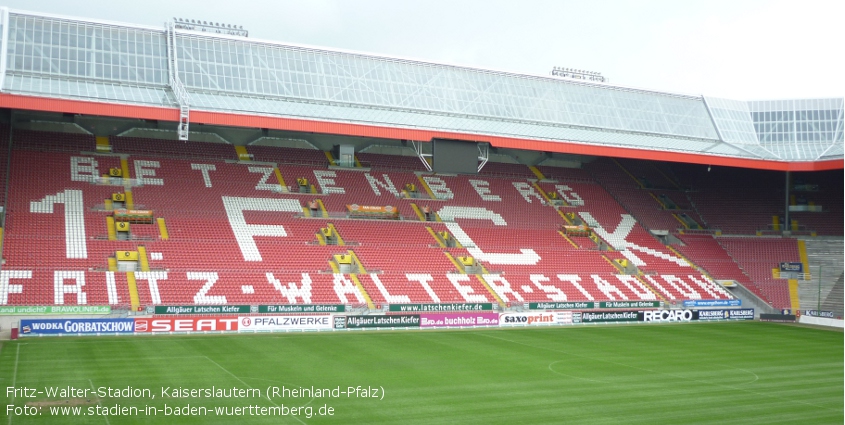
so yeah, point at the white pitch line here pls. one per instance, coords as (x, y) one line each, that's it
(98, 401)
(249, 386)
(572, 376)
(122, 359)
(15, 376)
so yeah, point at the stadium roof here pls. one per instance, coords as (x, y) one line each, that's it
(77, 65)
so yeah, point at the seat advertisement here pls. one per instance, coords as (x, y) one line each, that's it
(187, 324)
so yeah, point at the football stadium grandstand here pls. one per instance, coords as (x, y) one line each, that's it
(168, 166)
(188, 178)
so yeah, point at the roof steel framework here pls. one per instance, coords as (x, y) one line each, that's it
(57, 57)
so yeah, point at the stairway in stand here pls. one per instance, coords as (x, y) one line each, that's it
(825, 254)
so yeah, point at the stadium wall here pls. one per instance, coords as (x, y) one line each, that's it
(822, 321)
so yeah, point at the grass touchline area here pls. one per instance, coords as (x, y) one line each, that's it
(749, 372)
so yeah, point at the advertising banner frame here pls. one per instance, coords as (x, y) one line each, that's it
(458, 320)
(726, 314)
(301, 308)
(671, 315)
(284, 323)
(202, 309)
(629, 304)
(13, 310)
(736, 302)
(562, 305)
(382, 321)
(39, 327)
(819, 313)
(628, 316)
(439, 308)
(152, 325)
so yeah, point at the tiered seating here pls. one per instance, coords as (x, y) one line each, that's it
(830, 197)
(505, 170)
(172, 148)
(356, 187)
(757, 257)
(639, 201)
(4, 161)
(52, 141)
(736, 201)
(556, 256)
(712, 257)
(390, 162)
(647, 173)
(310, 157)
(235, 237)
(566, 174)
(46, 214)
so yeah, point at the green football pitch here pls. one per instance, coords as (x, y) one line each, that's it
(749, 373)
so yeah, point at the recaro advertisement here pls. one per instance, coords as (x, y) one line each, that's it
(667, 315)
(186, 324)
(76, 326)
(283, 323)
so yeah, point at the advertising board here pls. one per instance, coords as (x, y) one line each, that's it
(609, 316)
(186, 324)
(817, 313)
(302, 308)
(667, 315)
(458, 320)
(419, 308)
(777, 317)
(712, 303)
(14, 310)
(75, 326)
(788, 267)
(390, 321)
(284, 323)
(630, 304)
(203, 309)
(732, 314)
(564, 305)
(568, 317)
(536, 318)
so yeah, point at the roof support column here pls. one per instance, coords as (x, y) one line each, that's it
(787, 225)
(483, 155)
(176, 86)
(418, 148)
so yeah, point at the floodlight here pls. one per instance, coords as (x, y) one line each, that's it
(577, 74)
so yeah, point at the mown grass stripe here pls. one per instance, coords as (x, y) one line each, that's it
(753, 373)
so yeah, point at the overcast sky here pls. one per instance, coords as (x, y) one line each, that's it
(739, 49)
